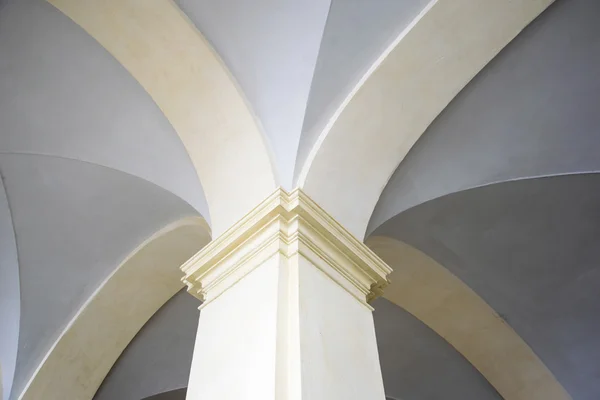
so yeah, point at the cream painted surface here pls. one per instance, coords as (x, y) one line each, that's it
(271, 48)
(164, 52)
(433, 59)
(338, 346)
(285, 312)
(235, 351)
(88, 347)
(443, 302)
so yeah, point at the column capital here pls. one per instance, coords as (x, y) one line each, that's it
(290, 224)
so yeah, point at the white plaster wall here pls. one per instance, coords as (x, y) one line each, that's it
(340, 360)
(235, 350)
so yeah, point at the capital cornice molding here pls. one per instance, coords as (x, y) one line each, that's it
(289, 224)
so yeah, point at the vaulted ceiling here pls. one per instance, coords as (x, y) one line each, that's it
(466, 149)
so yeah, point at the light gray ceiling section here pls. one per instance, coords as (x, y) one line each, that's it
(62, 94)
(533, 111)
(74, 223)
(412, 356)
(159, 358)
(531, 250)
(271, 48)
(356, 34)
(4, 2)
(10, 297)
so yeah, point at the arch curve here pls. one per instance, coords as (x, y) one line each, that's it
(165, 53)
(443, 302)
(90, 344)
(433, 59)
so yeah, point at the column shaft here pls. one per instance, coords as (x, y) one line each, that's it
(285, 313)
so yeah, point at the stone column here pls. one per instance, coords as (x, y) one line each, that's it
(285, 308)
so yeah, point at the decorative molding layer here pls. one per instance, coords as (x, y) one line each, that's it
(289, 224)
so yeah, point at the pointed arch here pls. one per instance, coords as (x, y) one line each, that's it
(401, 94)
(84, 353)
(443, 302)
(166, 54)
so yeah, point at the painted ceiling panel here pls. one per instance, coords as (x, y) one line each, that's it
(533, 111)
(412, 355)
(271, 48)
(62, 94)
(530, 249)
(74, 223)
(10, 298)
(356, 34)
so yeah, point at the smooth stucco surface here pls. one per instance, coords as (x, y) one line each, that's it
(221, 357)
(295, 63)
(94, 338)
(427, 65)
(110, 110)
(533, 111)
(75, 222)
(444, 303)
(10, 299)
(178, 394)
(171, 60)
(271, 49)
(91, 166)
(411, 354)
(158, 359)
(62, 94)
(356, 34)
(530, 250)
